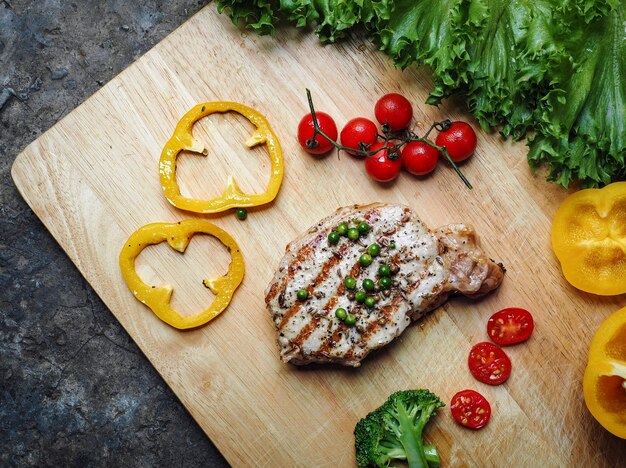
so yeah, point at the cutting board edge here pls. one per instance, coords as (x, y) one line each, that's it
(96, 93)
(21, 163)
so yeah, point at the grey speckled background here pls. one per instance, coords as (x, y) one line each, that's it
(74, 388)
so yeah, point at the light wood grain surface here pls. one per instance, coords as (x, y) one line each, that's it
(93, 180)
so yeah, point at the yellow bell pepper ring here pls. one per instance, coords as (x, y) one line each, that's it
(604, 384)
(233, 197)
(178, 236)
(589, 239)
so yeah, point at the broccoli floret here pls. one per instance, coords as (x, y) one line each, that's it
(394, 431)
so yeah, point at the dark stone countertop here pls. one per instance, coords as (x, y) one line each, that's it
(74, 388)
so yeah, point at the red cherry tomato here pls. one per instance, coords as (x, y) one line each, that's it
(459, 140)
(379, 166)
(489, 364)
(510, 326)
(359, 133)
(305, 133)
(419, 158)
(394, 110)
(470, 409)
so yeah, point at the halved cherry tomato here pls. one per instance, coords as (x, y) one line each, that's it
(510, 326)
(489, 364)
(459, 140)
(393, 110)
(320, 144)
(419, 158)
(381, 166)
(470, 409)
(359, 133)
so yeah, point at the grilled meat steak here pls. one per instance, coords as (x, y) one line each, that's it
(427, 267)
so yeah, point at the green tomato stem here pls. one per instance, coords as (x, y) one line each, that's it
(440, 126)
(444, 151)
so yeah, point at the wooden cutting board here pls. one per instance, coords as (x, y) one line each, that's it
(93, 180)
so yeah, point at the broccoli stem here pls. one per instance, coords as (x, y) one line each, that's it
(411, 439)
(432, 456)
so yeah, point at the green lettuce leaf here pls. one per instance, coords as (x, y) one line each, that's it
(257, 15)
(423, 32)
(331, 19)
(495, 34)
(476, 48)
(582, 130)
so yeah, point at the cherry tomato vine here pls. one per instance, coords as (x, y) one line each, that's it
(394, 141)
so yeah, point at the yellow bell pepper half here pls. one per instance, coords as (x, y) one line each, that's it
(178, 236)
(604, 384)
(589, 239)
(233, 197)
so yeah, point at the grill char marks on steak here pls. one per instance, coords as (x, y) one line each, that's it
(431, 265)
